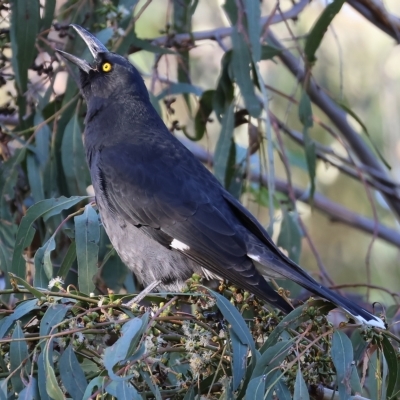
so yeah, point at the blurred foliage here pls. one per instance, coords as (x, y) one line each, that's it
(64, 329)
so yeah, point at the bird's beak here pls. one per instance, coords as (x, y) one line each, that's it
(94, 45)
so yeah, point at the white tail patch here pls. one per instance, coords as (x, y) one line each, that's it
(176, 244)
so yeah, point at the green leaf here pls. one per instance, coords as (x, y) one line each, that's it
(241, 70)
(365, 130)
(35, 177)
(203, 113)
(54, 314)
(124, 346)
(294, 320)
(224, 93)
(52, 387)
(268, 52)
(43, 264)
(253, 15)
(73, 158)
(282, 391)
(45, 209)
(180, 88)
(48, 14)
(232, 315)
(72, 376)
(87, 233)
(42, 378)
(315, 36)
(98, 382)
(25, 19)
(300, 388)
(240, 351)
(123, 390)
(306, 118)
(153, 388)
(19, 357)
(21, 310)
(391, 359)
(272, 358)
(27, 286)
(342, 357)
(190, 394)
(30, 392)
(290, 235)
(256, 388)
(68, 260)
(224, 143)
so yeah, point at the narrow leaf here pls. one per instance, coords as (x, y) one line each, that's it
(290, 235)
(71, 373)
(300, 388)
(19, 358)
(239, 359)
(44, 209)
(38, 294)
(241, 69)
(24, 28)
(87, 233)
(256, 388)
(253, 14)
(21, 310)
(68, 260)
(391, 359)
(203, 113)
(306, 118)
(342, 357)
(317, 32)
(119, 351)
(54, 314)
(73, 158)
(224, 143)
(52, 387)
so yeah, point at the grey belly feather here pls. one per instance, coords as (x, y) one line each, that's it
(149, 260)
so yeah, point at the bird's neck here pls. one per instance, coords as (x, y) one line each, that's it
(124, 119)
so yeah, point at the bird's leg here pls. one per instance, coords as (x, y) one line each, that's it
(142, 294)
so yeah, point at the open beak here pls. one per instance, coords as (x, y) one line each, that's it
(94, 45)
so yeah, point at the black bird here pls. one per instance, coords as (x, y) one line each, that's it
(166, 215)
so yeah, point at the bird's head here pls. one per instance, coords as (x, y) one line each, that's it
(109, 75)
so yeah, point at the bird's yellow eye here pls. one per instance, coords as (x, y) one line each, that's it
(106, 67)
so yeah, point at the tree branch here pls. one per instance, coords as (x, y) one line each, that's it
(376, 13)
(339, 118)
(219, 33)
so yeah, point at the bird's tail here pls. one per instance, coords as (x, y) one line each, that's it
(358, 313)
(298, 275)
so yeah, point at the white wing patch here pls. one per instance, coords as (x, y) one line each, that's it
(177, 245)
(254, 257)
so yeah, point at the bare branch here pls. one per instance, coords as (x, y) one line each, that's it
(376, 13)
(220, 33)
(339, 118)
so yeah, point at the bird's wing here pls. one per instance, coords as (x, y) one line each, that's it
(172, 193)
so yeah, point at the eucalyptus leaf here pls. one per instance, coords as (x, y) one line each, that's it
(342, 357)
(71, 373)
(87, 233)
(300, 387)
(20, 363)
